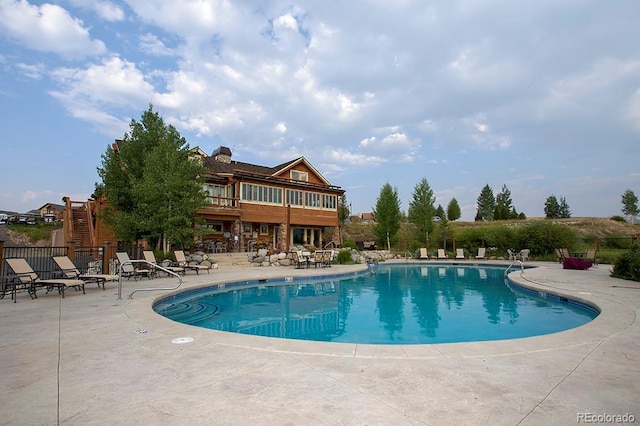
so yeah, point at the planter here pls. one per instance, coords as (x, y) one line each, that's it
(575, 263)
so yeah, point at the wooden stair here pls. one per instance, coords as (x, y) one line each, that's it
(81, 234)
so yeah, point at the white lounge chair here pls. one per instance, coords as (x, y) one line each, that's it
(70, 271)
(442, 254)
(424, 254)
(151, 258)
(182, 263)
(128, 270)
(460, 254)
(481, 253)
(29, 278)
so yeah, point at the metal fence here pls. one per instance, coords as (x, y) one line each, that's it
(94, 260)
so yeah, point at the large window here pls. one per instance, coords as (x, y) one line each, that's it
(329, 201)
(261, 193)
(312, 199)
(294, 197)
(218, 195)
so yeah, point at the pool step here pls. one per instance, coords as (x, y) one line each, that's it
(231, 260)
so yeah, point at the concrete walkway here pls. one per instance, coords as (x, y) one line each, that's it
(93, 359)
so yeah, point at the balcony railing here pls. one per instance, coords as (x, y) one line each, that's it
(222, 202)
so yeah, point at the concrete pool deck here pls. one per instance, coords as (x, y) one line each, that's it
(93, 359)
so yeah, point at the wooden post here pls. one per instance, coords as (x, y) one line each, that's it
(71, 250)
(106, 256)
(1, 255)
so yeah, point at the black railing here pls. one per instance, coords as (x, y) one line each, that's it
(86, 259)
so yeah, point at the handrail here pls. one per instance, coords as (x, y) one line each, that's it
(406, 259)
(506, 271)
(153, 265)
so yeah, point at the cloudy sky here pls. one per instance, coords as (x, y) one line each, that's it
(543, 96)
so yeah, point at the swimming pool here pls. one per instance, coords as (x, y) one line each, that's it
(389, 304)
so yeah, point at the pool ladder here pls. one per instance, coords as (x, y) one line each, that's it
(506, 271)
(154, 266)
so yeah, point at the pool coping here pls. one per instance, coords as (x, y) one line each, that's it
(613, 317)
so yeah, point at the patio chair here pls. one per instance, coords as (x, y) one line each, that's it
(442, 254)
(460, 254)
(318, 258)
(151, 258)
(512, 255)
(591, 256)
(524, 255)
(424, 254)
(297, 260)
(327, 258)
(183, 263)
(28, 277)
(69, 270)
(481, 253)
(565, 253)
(128, 270)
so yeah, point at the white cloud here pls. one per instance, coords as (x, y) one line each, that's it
(281, 127)
(152, 45)
(47, 28)
(113, 82)
(104, 9)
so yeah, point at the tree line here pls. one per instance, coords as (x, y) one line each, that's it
(423, 213)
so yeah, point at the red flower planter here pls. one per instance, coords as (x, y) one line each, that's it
(575, 263)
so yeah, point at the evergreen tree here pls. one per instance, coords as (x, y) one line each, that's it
(443, 223)
(486, 204)
(630, 204)
(563, 209)
(551, 207)
(343, 209)
(388, 216)
(504, 204)
(453, 210)
(154, 188)
(421, 210)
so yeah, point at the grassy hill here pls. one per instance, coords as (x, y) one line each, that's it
(611, 236)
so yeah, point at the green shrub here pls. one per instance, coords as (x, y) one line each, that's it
(618, 219)
(543, 237)
(344, 257)
(628, 265)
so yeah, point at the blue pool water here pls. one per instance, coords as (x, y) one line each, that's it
(390, 304)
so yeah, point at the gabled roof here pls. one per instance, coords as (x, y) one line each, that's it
(57, 207)
(291, 164)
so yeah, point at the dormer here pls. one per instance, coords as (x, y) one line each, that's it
(222, 155)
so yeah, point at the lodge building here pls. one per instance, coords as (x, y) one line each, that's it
(251, 206)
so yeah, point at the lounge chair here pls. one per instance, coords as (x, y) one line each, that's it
(424, 254)
(591, 256)
(182, 263)
(481, 253)
(151, 258)
(69, 270)
(460, 254)
(442, 254)
(565, 253)
(512, 255)
(559, 255)
(524, 255)
(128, 270)
(28, 277)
